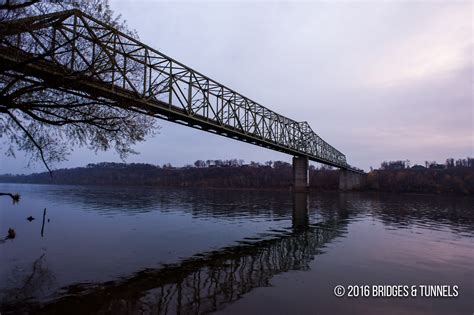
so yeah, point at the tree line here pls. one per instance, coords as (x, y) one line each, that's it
(449, 163)
(392, 176)
(455, 176)
(232, 173)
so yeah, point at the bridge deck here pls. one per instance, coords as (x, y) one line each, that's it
(72, 51)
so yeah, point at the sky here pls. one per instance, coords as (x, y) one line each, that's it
(377, 80)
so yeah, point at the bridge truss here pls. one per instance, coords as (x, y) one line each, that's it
(88, 56)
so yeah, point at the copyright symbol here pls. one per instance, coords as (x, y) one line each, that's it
(339, 290)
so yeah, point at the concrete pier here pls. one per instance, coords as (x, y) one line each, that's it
(300, 174)
(349, 180)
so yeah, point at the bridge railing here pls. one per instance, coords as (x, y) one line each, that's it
(91, 49)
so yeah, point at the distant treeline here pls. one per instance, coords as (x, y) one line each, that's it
(458, 180)
(450, 163)
(212, 174)
(455, 176)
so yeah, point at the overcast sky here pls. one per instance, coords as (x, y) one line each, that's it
(378, 81)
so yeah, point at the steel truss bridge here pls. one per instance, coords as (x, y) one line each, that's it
(82, 54)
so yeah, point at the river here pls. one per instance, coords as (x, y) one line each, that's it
(148, 250)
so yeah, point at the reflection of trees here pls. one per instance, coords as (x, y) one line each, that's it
(392, 209)
(431, 211)
(199, 202)
(39, 281)
(203, 283)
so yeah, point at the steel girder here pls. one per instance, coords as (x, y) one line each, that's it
(89, 56)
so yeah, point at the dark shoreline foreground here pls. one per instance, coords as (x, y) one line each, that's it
(457, 180)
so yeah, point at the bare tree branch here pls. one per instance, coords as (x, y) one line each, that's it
(45, 119)
(40, 149)
(13, 5)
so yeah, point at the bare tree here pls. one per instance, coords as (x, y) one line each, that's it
(47, 121)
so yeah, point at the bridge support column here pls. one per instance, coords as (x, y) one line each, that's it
(349, 180)
(300, 174)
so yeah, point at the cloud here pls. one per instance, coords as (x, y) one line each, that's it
(442, 43)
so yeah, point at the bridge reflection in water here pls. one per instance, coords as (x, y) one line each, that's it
(205, 282)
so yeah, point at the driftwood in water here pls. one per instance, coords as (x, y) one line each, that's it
(15, 197)
(11, 234)
(42, 227)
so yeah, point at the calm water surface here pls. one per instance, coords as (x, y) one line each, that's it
(147, 250)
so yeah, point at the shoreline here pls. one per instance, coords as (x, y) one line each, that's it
(253, 189)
